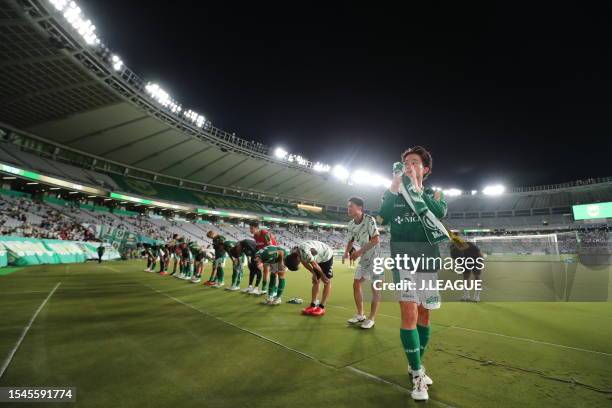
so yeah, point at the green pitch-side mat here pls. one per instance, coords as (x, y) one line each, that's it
(126, 338)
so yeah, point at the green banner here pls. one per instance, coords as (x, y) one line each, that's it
(120, 239)
(3, 257)
(21, 251)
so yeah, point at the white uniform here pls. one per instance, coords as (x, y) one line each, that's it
(322, 252)
(361, 234)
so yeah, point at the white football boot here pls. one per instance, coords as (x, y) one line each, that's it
(356, 319)
(428, 381)
(368, 324)
(419, 389)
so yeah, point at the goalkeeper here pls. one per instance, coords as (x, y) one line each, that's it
(413, 213)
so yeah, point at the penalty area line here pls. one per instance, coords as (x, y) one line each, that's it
(354, 370)
(10, 356)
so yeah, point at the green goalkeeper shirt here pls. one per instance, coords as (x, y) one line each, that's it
(407, 234)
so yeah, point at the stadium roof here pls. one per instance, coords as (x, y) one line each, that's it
(55, 85)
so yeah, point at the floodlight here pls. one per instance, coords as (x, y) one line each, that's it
(451, 192)
(280, 153)
(340, 172)
(320, 167)
(361, 177)
(494, 190)
(117, 62)
(365, 177)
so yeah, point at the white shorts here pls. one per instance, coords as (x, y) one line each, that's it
(429, 298)
(365, 270)
(273, 268)
(220, 262)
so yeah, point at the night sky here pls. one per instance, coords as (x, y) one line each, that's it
(511, 94)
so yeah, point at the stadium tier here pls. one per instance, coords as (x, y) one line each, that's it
(545, 209)
(54, 218)
(89, 119)
(85, 99)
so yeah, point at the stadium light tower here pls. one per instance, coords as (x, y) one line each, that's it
(117, 62)
(452, 192)
(494, 190)
(340, 172)
(280, 153)
(320, 167)
(365, 177)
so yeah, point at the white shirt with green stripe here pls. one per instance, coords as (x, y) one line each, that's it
(362, 233)
(317, 251)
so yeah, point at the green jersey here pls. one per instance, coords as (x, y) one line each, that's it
(218, 246)
(407, 234)
(228, 245)
(269, 254)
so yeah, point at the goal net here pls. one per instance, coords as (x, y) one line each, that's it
(526, 247)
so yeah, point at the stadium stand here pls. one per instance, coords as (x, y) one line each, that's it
(23, 216)
(98, 125)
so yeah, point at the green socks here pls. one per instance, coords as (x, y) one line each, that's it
(424, 333)
(264, 285)
(272, 287)
(236, 276)
(281, 287)
(220, 274)
(412, 347)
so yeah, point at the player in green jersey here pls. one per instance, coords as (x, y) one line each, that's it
(274, 257)
(218, 273)
(238, 261)
(411, 210)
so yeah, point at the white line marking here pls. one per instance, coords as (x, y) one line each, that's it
(501, 335)
(308, 356)
(492, 334)
(394, 385)
(532, 340)
(9, 358)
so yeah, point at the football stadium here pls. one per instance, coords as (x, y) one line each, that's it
(149, 258)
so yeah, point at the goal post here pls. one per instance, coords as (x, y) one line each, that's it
(520, 247)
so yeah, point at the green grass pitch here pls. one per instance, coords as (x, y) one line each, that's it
(126, 338)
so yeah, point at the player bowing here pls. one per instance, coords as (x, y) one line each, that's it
(318, 258)
(237, 264)
(263, 238)
(248, 248)
(274, 258)
(217, 274)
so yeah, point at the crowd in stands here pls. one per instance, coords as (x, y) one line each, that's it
(23, 217)
(39, 219)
